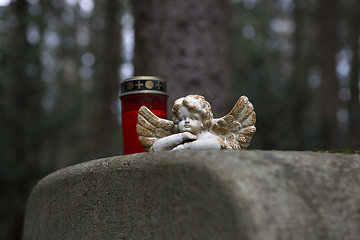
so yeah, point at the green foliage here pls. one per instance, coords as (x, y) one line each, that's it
(342, 150)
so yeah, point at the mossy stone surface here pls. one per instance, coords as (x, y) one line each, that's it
(200, 195)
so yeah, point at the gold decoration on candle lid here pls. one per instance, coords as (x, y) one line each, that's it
(143, 85)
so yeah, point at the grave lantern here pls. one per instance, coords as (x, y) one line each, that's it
(140, 91)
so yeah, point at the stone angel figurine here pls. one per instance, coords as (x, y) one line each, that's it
(194, 127)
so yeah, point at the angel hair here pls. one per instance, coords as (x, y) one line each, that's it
(195, 103)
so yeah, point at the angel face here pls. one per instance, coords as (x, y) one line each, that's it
(189, 121)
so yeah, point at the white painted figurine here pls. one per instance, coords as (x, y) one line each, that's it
(194, 127)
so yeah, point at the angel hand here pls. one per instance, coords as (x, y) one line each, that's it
(202, 143)
(180, 147)
(188, 136)
(169, 142)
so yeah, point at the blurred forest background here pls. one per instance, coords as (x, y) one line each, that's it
(61, 63)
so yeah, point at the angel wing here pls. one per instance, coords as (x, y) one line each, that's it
(237, 127)
(151, 128)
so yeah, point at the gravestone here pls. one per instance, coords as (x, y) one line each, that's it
(200, 195)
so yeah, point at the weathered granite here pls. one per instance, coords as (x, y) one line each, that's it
(200, 195)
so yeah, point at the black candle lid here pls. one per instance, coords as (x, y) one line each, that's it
(143, 85)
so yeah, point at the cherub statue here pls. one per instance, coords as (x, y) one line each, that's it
(194, 127)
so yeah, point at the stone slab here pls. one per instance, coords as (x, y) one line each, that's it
(200, 195)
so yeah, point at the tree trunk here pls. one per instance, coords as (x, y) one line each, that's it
(328, 20)
(186, 43)
(354, 105)
(109, 81)
(22, 116)
(299, 89)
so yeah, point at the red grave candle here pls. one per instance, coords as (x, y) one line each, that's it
(140, 91)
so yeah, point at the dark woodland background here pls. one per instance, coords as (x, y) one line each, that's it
(61, 63)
